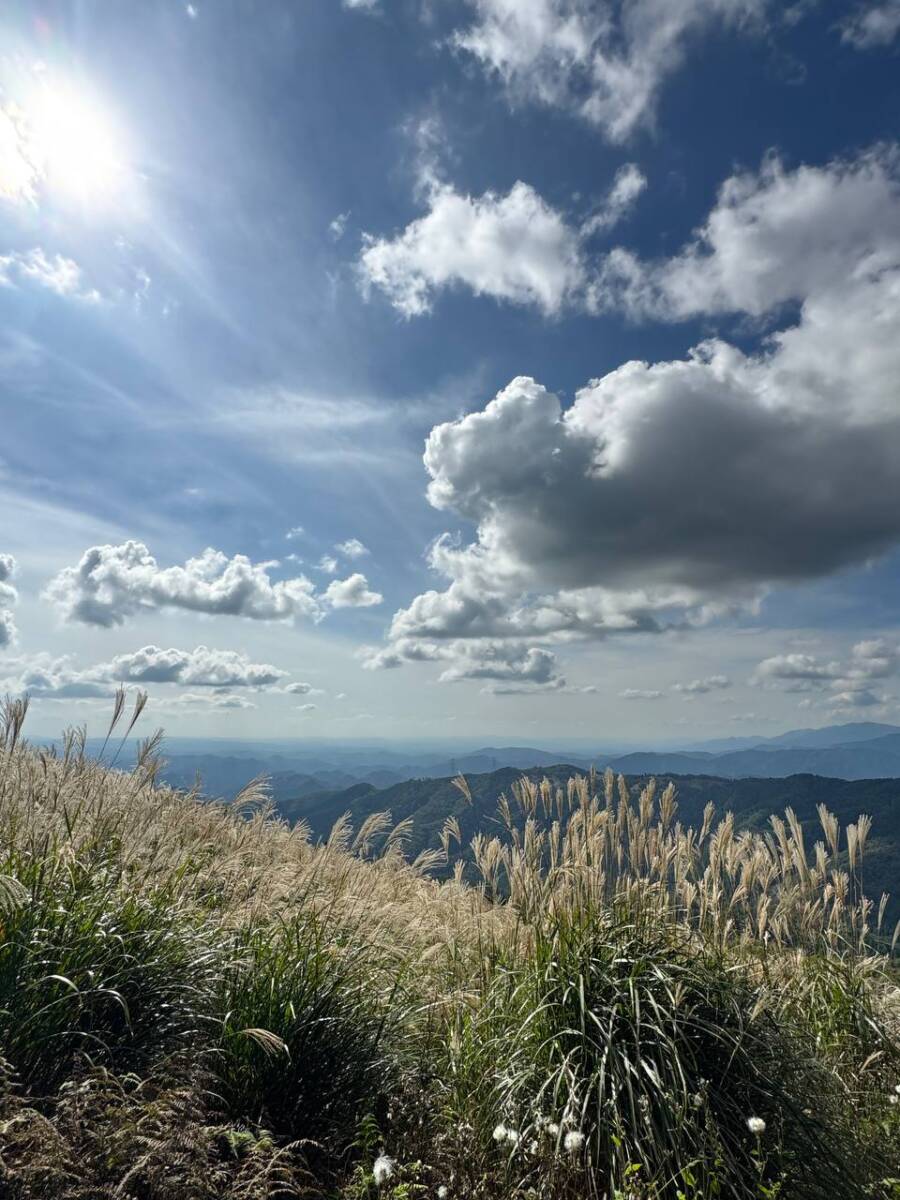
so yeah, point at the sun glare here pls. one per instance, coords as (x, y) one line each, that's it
(74, 146)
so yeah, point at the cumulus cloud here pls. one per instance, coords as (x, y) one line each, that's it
(113, 583)
(306, 708)
(504, 663)
(774, 236)
(327, 564)
(55, 272)
(803, 669)
(841, 685)
(352, 592)
(218, 670)
(45, 677)
(873, 25)
(699, 687)
(352, 548)
(510, 666)
(8, 597)
(201, 667)
(672, 493)
(299, 689)
(512, 247)
(604, 62)
(640, 694)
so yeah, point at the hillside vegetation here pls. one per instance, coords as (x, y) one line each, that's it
(427, 803)
(198, 1001)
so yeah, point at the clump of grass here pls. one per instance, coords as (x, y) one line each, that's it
(90, 968)
(646, 1054)
(303, 1037)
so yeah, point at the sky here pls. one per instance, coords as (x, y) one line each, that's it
(451, 368)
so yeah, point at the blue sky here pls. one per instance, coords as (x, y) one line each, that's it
(254, 255)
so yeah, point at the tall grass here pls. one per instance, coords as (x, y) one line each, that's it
(197, 1001)
(302, 1042)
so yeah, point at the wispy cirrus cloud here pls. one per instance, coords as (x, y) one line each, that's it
(872, 24)
(55, 272)
(604, 63)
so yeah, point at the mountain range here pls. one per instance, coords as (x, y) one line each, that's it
(863, 750)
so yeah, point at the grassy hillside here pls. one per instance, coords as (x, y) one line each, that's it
(198, 1002)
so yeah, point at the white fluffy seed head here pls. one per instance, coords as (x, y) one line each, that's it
(383, 1169)
(756, 1125)
(500, 1132)
(573, 1141)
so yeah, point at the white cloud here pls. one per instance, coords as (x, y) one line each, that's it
(841, 685)
(699, 687)
(20, 174)
(873, 24)
(299, 689)
(306, 708)
(8, 597)
(640, 694)
(201, 667)
(605, 63)
(199, 702)
(672, 493)
(629, 183)
(352, 548)
(512, 247)
(337, 227)
(46, 677)
(296, 531)
(773, 236)
(352, 592)
(515, 248)
(55, 272)
(112, 583)
(515, 667)
(8, 631)
(328, 564)
(365, 5)
(503, 663)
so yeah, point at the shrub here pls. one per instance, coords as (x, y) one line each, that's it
(91, 967)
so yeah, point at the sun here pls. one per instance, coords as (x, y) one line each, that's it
(73, 145)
